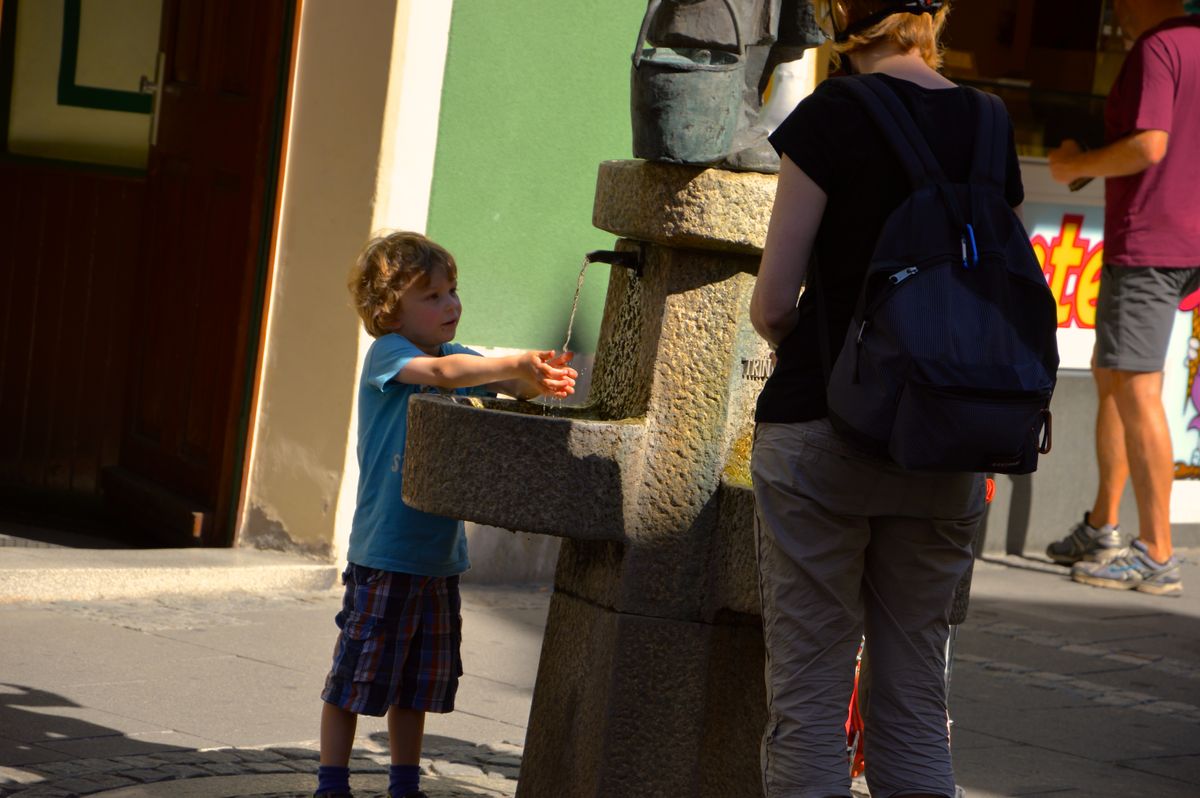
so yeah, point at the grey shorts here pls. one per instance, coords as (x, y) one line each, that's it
(1135, 312)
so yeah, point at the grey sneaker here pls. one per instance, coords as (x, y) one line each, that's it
(1132, 569)
(1085, 542)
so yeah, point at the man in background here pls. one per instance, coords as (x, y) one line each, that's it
(1151, 262)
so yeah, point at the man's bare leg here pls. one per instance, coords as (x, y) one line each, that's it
(1148, 449)
(1111, 457)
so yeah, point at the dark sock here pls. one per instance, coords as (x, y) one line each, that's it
(332, 779)
(403, 779)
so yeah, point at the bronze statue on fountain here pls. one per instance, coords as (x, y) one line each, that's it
(718, 77)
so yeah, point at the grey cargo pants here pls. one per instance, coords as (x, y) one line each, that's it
(848, 543)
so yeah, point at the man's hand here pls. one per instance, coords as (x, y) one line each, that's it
(1063, 167)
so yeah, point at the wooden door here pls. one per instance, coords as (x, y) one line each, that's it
(209, 203)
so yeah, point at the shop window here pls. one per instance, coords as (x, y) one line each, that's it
(1053, 63)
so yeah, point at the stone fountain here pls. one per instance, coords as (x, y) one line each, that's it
(651, 673)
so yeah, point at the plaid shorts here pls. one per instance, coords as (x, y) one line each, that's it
(399, 644)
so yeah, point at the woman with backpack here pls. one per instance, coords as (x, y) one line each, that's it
(849, 542)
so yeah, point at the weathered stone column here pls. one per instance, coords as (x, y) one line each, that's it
(651, 675)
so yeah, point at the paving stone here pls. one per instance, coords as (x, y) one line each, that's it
(64, 769)
(13, 776)
(258, 755)
(507, 772)
(1043, 639)
(1117, 700)
(146, 775)
(303, 766)
(222, 768)
(91, 784)
(94, 765)
(455, 769)
(46, 792)
(507, 747)
(1047, 676)
(1132, 658)
(183, 771)
(223, 755)
(139, 760)
(298, 753)
(1010, 667)
(1176, 668)
(175, 757)
(961, 657)
(511, 760)
(282, 766)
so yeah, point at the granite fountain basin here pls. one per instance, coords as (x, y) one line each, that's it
(523, 466)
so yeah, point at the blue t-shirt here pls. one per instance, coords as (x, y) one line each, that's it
(388, 534)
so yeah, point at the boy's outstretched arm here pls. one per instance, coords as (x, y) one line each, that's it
(525, 375)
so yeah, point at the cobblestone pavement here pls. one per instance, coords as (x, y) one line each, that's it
(1057, 689)
(449, 770)
(73, 721)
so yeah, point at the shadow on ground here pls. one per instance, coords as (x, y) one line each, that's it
(44, 754)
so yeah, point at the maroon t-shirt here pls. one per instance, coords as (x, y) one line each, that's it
(1153, 218)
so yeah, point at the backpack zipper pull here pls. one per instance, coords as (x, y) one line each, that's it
(903, 275)
(858, 351)
(974, 248)
(964, 251)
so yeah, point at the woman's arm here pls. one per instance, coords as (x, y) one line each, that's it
(795, 219)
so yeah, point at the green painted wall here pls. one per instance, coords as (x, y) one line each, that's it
(536, 94)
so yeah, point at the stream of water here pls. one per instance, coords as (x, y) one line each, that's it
(575, 304)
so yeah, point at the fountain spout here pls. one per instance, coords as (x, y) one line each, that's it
(629, 259)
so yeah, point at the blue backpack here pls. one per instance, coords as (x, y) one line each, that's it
(951, 356)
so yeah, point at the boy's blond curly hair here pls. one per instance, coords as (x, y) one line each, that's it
(921, 32)
(388, 265)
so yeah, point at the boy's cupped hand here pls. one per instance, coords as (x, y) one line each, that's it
(548, 373)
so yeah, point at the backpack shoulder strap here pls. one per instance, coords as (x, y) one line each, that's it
(990, 162)
(906, 139)
(898, 128)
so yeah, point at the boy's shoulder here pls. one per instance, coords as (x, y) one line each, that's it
(395, 344)
(454, 348)
(391, 342)
(389, 354)
(385, 357)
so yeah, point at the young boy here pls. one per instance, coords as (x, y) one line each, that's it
(398, 650)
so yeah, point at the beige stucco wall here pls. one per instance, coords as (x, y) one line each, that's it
(302, 435)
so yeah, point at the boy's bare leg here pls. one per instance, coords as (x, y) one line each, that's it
(406, 727)
(1151, 464)
(1111, 456)
(337, 735)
